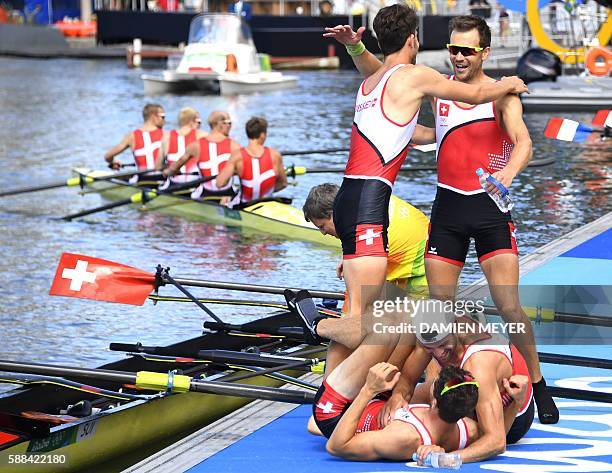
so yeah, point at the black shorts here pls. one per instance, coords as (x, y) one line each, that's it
(328, 408)
(455, 218)
(521, 425)
(361, 217)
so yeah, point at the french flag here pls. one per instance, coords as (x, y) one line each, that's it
(567, 130)
(603, 118)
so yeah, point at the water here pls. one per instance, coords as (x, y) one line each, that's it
(64, 113)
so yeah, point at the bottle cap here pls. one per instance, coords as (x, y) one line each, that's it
(479, 172)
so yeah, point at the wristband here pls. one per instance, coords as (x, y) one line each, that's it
(355, 49)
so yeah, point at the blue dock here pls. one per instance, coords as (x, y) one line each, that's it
(273, 437)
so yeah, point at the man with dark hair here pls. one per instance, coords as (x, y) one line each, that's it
(259, 167)
(145, 142)
(385, 119)
(491, 136)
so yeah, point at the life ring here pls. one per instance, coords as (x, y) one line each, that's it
(598, 61)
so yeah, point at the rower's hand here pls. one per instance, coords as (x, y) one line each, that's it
(166, 172)
(114, 165)
(505, 177)
(518, 86)
(344, 34)
(382, 377)
(386, 414)
(516, 387)
(340, 269)
(225, 201)
(425, 450)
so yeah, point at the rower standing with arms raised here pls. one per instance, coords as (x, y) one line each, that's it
(175, 143)
(259, 167)
(491, 136)
(145, 142)
(211, 154)
(386, 113)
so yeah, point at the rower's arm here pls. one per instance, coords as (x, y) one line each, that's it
(125, 143)
(191, 151)
(367, 445)
(163, 151)
(511, 111)
(411, 372)
(492, 440)
(230, 168)
(279, 169)
(423, 135)
(366, 62)
(430, 82)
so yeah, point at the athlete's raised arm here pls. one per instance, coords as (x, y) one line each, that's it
(366, 63)
(431, 82)
(511, 119)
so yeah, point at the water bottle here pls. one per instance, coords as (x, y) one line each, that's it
(503, 201)
(450, 461)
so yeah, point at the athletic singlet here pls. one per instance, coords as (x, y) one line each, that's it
(468, 138)
(176, 150)
(146, 147)
(257, 177)
(378, 145)
(499, 344)
(212, 159)
(369, 422)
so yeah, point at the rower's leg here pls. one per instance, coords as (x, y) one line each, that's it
(442, 278)
(502, 273)
(364, 277)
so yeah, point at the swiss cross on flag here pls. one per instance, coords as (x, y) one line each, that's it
(94, 278)
(443, 109)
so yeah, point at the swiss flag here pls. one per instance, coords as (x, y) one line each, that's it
(94, 278)
(443, 109)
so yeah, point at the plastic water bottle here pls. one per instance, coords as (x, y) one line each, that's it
(503, 201)
(450, 461)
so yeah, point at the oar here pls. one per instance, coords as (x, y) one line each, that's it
(144, 196)
(218, 356)
(169, 382)
(571, 360)
(74, 181)
(262, 289)
(422, 148)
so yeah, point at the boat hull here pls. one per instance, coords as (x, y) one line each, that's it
(571, 93)
(237, 84)
(122, 436)
(274, 218)
(156, 85)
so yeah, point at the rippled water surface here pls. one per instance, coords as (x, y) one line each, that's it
(63, 113)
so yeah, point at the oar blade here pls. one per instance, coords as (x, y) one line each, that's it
(86, 277)
(603, 118)
(567, 130)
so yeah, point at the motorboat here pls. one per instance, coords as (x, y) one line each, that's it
(550, 90)
(220, 57)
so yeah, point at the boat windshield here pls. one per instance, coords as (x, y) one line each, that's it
(219, 28)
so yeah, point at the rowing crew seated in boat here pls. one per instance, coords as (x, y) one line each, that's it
(210, 154)
(504, 407)
(259, 168)
(175, 142)
(145, 142)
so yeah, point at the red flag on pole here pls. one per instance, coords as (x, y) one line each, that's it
(94, 278)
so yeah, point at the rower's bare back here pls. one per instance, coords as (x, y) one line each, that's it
(399, 102)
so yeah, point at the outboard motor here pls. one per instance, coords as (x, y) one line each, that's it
(538, 64)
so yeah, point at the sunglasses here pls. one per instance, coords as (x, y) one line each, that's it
(226, 122)
(162, 116)
(198, 121)
(464, 50)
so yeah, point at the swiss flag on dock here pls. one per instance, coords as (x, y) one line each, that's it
(94, 278)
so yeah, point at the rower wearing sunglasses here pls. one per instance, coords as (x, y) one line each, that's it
(175, 143)
(145, 142)
(491, 136)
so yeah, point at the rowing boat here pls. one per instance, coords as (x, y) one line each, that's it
(125, 431)
(266, 216)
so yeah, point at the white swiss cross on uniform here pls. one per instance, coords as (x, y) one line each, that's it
(444, 110)
(327, 408)
(148, 149)
(369, 236)
(78, 275)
